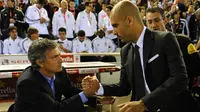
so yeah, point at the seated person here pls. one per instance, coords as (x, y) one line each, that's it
(81, 44)
(64, 44)
(11, 45)
(40, 87)
(104, 45)
(32, 35)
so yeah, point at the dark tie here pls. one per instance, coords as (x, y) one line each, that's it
(139, 79)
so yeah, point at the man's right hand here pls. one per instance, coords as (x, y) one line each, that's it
(90, 85)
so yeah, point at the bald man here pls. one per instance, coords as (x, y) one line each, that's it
(152, 67)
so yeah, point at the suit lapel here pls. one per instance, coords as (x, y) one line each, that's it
(147, 46)
(44, 84)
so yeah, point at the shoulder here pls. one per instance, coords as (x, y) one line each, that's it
(95, 39)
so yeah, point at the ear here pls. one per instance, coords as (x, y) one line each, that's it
(40, 63)
(129, 20)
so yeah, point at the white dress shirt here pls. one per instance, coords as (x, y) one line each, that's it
(140, 44)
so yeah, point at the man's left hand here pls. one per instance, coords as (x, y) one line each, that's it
(134, 106)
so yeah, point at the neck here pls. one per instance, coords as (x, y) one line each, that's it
(135, 37)
(13, 38)
(38, 6)
(63, 10)
(46, 73)
(87, 11)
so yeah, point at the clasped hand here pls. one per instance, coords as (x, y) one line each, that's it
(90, 85)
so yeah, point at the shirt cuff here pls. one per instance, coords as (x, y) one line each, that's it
(100, 90)
(83, 97)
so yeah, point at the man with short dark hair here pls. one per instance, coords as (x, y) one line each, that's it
(81, 44)
(12, 45)
(41, 86)
(64, 44)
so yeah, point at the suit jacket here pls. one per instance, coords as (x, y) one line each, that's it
(166, 75)
(34, 94)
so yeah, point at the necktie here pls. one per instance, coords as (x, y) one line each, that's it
(139, 79)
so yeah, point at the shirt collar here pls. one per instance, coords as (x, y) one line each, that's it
(47, 78)
(140, 39)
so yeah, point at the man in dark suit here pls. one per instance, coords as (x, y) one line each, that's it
(155, 21)
(156, 74)
(41, 85)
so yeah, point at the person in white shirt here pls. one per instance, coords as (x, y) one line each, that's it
(64, 18)
(101, 17)
(108, 26)
(11, 45)
(36, 16)
(81, 44)
(86, 21)
(103, 45)
(32, 35)
(65, 45)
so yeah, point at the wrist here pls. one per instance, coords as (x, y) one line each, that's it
(143, 105)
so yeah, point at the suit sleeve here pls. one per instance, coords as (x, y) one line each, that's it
(33, 98)
(177, 79)
(123, 87)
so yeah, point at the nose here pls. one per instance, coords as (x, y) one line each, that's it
(60, 59)
(115, 31)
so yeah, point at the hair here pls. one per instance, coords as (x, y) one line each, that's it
(87, 3)
(156, 9)
(81, 33)
(63, 1)
(31, 31)
(11, 28)
(109, 7)
(38, 50)
(62, 30)
(42, 2)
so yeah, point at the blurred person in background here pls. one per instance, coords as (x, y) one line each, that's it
(86, 21)
(37, 17)
(65, 46)
(64, 18)
(10, 16)
(12, 45)
(32, 35)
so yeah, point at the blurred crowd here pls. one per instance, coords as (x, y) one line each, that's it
(83, 25)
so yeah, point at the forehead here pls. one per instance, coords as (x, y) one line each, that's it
(52, 52)
(154, 15)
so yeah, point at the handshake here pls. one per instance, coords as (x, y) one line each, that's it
(90, 85)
